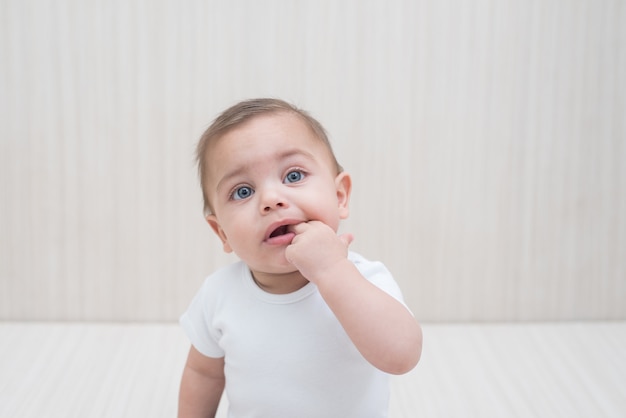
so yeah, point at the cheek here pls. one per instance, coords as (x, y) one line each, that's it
(238, 229)
(327, 211)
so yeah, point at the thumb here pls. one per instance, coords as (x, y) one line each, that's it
(346, 238)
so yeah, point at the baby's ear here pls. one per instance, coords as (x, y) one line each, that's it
(343, 183)
(215, 226)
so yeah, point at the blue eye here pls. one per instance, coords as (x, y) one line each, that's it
(242, 192)
(294, 176)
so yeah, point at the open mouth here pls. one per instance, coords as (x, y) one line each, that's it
(281, 230)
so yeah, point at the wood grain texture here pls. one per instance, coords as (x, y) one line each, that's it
(567, 370)
(486, 141)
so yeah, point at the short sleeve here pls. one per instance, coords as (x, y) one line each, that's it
(376, 273)
(197, 325)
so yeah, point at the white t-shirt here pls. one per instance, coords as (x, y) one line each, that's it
(286, 355)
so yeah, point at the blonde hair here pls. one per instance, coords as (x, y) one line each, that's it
(238, 114)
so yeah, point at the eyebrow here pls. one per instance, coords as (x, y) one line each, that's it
(238, 171)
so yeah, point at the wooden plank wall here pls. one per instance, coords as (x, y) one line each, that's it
(486, 139)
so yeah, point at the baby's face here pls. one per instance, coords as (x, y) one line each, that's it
(263, 177)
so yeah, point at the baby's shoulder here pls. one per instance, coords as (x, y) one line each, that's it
(225, 279)
(367, 267)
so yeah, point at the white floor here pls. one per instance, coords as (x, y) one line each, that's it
(502, 370)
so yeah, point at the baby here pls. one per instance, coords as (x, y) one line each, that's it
(300, 327)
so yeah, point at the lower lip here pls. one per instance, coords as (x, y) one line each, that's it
(281, 239)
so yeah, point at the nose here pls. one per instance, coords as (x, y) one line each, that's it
(272, 199)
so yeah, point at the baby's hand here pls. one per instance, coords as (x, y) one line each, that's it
(316, 249)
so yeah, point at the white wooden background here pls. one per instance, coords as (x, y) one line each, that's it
(530, 370)
(486, 139)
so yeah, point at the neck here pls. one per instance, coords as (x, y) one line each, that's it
(279, 284)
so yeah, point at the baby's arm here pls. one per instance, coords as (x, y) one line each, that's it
(201, 386)
(382, 329)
